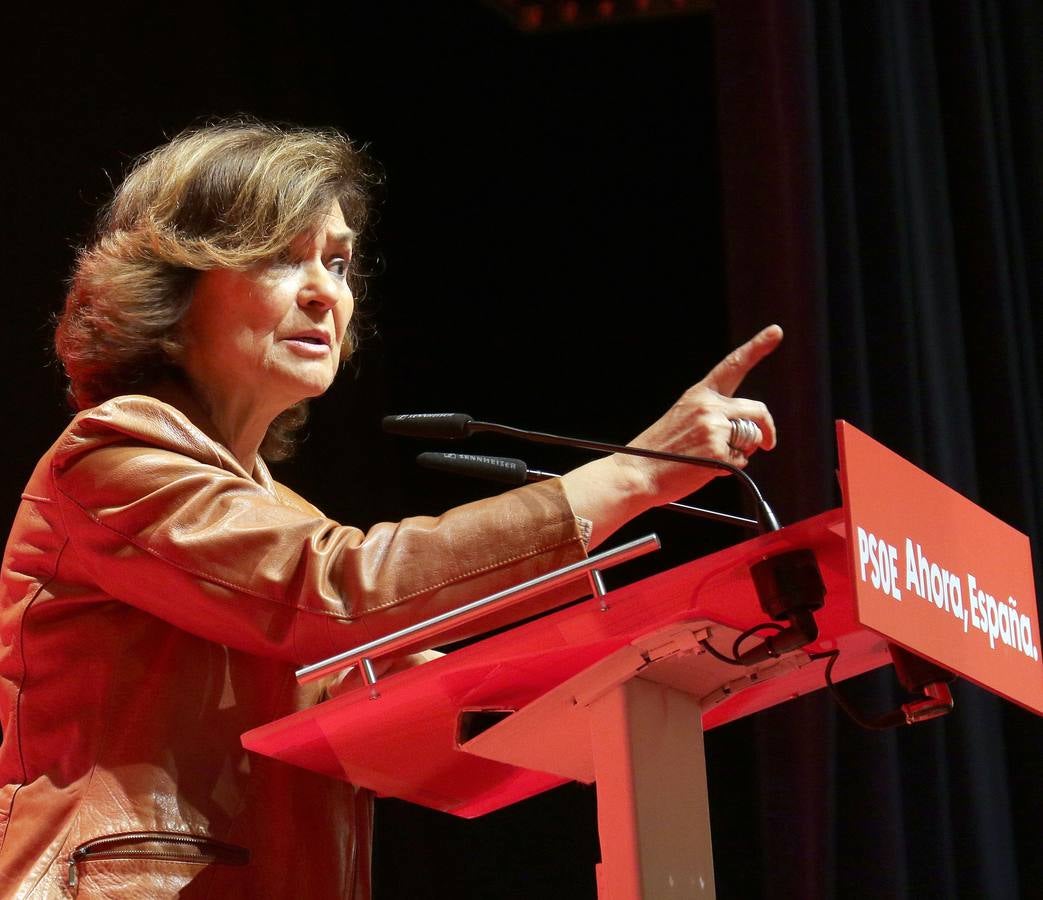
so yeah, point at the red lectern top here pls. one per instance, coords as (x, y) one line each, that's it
(406, 743)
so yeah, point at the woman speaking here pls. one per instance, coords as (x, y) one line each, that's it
(159, 587)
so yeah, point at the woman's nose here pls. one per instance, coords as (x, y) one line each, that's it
(320, 288)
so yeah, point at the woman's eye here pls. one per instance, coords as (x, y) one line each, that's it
(338, 266)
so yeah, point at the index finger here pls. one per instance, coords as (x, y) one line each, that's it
(729, 373)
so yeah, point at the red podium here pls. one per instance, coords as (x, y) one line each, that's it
(618, 689)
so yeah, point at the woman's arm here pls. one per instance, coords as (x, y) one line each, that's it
(156, 516)
(153, 519)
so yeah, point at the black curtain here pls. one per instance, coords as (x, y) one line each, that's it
(883, 191)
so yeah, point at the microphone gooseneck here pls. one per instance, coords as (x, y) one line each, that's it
(453, 426)
(509, 470)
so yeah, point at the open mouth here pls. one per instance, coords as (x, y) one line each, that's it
(315, 339)
(312, 346)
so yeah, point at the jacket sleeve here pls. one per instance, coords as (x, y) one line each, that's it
(154, 520)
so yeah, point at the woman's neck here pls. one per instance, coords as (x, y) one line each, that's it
(237, 425)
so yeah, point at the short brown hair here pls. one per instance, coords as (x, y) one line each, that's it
(225, 195)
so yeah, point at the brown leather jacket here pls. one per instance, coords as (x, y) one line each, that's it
(156, 598)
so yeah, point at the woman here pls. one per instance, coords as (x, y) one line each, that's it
(159, 587)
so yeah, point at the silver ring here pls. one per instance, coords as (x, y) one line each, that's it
(745, 435)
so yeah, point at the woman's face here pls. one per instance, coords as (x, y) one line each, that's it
(271, 335)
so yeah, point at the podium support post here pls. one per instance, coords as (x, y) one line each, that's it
(653, 811)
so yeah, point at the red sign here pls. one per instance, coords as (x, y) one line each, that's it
(937, 574)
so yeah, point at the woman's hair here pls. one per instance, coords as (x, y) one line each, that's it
(222, 196)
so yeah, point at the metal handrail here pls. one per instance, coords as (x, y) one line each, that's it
(434, 626)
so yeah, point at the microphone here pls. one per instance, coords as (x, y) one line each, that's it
(789, 585)
(435, 426)
(452, 426)
(509, 470)
(504, 469)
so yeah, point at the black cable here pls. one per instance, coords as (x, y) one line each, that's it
(886, 722)
(716, 654)
(733, 660)
(749, 632)
(849, 710)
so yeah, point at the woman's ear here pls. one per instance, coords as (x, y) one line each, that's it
(173, 344)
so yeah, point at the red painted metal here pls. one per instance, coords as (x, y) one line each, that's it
(404, 743)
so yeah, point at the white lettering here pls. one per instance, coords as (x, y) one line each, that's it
(882, 560)
(1025, 635)
(924, 568)
(1004, 617)
(993, 617)
(892, 565)
(874, 561)
(956, 595)
(1015, 626)
(863, 550)
(912, 582)
(937, 586)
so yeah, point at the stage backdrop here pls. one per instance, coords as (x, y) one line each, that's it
(883, 188)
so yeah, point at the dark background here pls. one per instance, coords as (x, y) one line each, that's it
(547, 247)
(547, 252)
(574, 227)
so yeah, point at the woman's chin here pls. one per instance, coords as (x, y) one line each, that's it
(286, 391)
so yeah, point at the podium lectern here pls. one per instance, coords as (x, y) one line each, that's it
(617, 690)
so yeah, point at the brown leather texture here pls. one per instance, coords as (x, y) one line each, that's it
(156, 598)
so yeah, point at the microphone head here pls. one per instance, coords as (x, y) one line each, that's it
(435, 426)
(492, 468)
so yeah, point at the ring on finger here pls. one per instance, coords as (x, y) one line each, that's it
(745, 435)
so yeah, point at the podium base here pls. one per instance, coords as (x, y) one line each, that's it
(653, 811)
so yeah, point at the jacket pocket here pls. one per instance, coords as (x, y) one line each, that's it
(169, 846)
